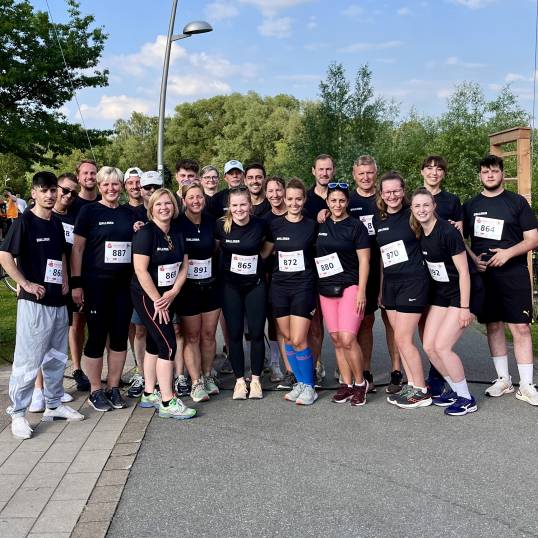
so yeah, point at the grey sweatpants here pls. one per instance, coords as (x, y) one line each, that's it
(41, 342)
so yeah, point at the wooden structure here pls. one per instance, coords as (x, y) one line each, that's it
(521, 136)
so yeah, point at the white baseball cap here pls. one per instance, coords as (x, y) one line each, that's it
(230, 165)
(134, 171)
(151, 178)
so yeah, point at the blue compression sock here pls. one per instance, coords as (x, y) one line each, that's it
(305, 362)
(292, 359)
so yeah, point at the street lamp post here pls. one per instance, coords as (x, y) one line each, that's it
(192, 28)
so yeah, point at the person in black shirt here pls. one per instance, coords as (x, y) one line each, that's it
(254, 180)
(502, 228)
(209, 178)
(293, 288)
(242, 240)
(131, 184)
(101, 270)
(160, 269)
(200, 300)
(450, 311)
(404, 284)
(36, 242)
(233, 176)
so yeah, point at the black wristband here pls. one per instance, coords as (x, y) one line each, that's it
(75, 282)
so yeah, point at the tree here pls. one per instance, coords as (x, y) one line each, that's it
(34, 82)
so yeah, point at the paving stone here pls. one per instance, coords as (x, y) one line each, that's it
(59, 516)
(106, 494)
(132, 436)
(98, 512)
(49, 535)
(89, 461)
(125, 449)
(60, 452)
(27, 502)
(75, 486)
(15, 527)
(113, 478)
(102, 439)
(46, 475)
(5, 452)
(20, 463)
(120, 462)
(91, 529)
(40, 442)
(9, 483)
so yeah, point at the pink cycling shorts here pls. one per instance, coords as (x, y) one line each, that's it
(340, 313)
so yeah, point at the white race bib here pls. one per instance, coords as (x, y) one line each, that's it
(367, 221)
(244, 265)
(53, 272)
(68, 232)
(394, 253)
(167, 274)
(438, 271)
(118, 252)
(328, 265)
(488, 228)
(291, 262)
(199, 269)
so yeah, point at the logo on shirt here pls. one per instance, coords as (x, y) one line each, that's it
(192, 239)
(480, 213)
(232, 241)
(105, 222)
(356, 209)
(425, 253)
(383, 229)
(323, 234)
(41, 239)
(282, 238)
(162, 249)
(411, 300)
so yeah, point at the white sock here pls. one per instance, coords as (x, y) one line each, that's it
(461, 389)
(501, 366)
(448, 379)
(359, 384)
(275, 352)
(525, 373)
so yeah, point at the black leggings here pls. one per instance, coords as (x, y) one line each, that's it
(108, 309)
(160, 338)
(236, 302)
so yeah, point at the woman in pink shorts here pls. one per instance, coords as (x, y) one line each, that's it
(343, 264)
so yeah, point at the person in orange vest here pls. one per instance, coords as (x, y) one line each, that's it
(12, 211)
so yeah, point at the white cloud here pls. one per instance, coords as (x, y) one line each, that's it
(113, 107)
(403, 11)
(473, 4)
(360, 47)
(445, 93)
(495, 87)
(353, 10)
(312, 23)
(220, 67)
(454, 60)
(270, 7)
(275, 27)
(512, 77)
(220, 10)
(196, 85)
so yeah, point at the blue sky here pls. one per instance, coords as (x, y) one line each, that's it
(418, 50)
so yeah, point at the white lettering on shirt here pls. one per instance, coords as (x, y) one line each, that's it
(105, 222)
(41, 239)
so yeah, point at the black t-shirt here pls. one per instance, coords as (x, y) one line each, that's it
(108, 233)
(79, 203)
(68, 225)
(344, 238)
(503, 218)
(299, 238)
(314, 204)
(262, 209)
(364, 208)
(164, 263)
(218, 203)
(245, 241)
(38, 245)
(438, 248)
(140, 213)
(400, 249)
(200, 247)
(448, 206)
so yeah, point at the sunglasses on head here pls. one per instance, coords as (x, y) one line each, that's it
(239, 188)
(338, 185)
(73, 193)
(150, 187)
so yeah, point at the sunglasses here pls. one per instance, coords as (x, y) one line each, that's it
(150, 187)
(338, 185)
(73, 193)
(239, 188)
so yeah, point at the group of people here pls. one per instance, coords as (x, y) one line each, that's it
(164, 268)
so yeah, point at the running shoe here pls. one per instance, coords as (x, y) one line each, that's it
(343, 394)
(240, 390)
(62, 412)
(288, 382)
(294, 393)
(462, 406)
(136, 389)
(153, 400)
(37, 404)
(414, 398)
(276, 373)
(66, 398)
(435, 382)
(115, 398)
(210, 385)
(98, 401)
(181, 386)
(395, 384)
(527, 393)
(20, 428)
(198, 393)
(81, 379)
(176, 409)
(308, 396)
(501, 385)
(448, 397)
(226, 367)
(403, 391)
(359, 394)
(370, 378)
(255, 390)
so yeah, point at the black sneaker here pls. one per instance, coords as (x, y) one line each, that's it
(115, 399)
(370, 378)
(82, 381)
(98, 401)
(181, 386)
(395, 384)
(288, 382)
(137, 386)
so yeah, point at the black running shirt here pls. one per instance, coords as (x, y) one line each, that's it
(218, 203)
(68, 225)
(448, 206)
(260, 210)
(314, 204)
(79, 203)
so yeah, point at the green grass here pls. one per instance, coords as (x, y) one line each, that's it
(8, 308)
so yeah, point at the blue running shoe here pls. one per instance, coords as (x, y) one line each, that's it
(448, 397)
(461, 407)
(436, 384)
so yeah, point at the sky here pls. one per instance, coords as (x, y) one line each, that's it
(417, 50)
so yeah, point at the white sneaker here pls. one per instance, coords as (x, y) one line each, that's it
(66, 398)
(308, 396)
(276, 373)
(20, 428)
(62, 412)
(500, 386)
(528, 393)
(294, 393)
(38, 402)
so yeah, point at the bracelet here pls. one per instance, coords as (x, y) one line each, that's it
(466, 307)
(75, 282)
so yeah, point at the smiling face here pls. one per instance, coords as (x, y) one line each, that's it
(274, 192)
(87, 176)
(234, 177)
(364, 176)
(433, 174)
(240, 206)
(423, 208)
(491, 177)
(210, 181)
(323, 170)
(163, 209)
(110, 189)
(337, 202)
(132, 187)
(254, 180)
(392, 192)
(194, 200)
(295, 201)
(66, 194)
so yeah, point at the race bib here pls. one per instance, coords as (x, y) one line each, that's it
(244, 265)
(488, 228)
(438, 271)
(118, 252)
(68, 232)
(199, 269)
(167, 274)
(367, 221)
(290, 262)
(328, 265)
(53, 272)
(393, 253)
